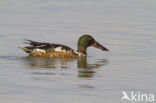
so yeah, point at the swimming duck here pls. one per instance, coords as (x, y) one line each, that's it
(41, 49)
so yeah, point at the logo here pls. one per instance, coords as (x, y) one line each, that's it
(137, 97)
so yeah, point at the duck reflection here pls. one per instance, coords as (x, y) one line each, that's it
(38, 62)
(85, 69)
(88, 69)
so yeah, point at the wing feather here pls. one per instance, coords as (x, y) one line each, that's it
(46, 46)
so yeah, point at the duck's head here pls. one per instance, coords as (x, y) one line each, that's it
(86, 41)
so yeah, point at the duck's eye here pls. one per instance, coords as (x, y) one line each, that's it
(89, 38)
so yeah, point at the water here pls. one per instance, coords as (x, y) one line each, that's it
(127, 28)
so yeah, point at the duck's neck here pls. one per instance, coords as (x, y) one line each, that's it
(82, 51)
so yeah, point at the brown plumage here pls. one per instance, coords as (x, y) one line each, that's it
(52, 54)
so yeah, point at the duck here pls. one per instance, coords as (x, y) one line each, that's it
(48, 50)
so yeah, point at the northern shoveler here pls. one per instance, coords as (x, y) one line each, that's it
(41, 49)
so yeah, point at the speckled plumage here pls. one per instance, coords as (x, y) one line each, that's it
(51, 54)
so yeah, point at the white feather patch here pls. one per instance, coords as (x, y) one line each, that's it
(80, 54)
(59, 49)
(40, 50)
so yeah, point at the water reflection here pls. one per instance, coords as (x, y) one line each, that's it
(85, 69)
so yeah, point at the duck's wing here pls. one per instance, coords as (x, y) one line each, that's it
(43, 47)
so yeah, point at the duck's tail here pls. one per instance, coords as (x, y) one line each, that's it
(25, 49)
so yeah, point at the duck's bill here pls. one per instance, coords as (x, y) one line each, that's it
(99, 46)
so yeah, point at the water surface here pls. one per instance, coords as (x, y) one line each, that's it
(126, 28)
